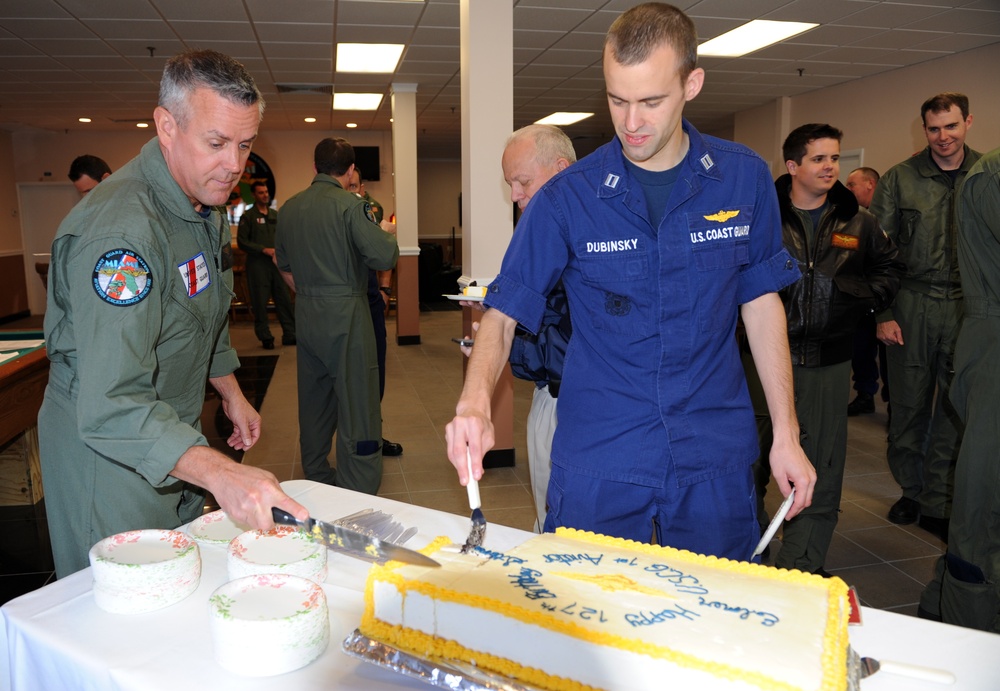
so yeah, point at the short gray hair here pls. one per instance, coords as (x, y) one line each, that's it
(551, 143)
(212, 70)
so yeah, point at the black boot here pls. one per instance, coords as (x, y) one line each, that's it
(863, 404)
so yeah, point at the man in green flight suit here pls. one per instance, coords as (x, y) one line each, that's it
(137, 320)
(327, 242)
(256, 237)
(379, 292)
(966, 586)
(915, 202)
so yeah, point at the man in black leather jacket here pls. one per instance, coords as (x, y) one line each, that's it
(849, 268)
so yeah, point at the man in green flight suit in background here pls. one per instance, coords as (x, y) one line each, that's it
(327, 242)
(379, 292)
(137, 320)
(966, 586)
(916, 203)
(255, 236)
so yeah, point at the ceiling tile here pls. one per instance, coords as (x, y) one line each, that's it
(102, 59)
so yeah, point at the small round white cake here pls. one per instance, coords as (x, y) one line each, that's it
(282, 550)
(269, 624)
(144, 570)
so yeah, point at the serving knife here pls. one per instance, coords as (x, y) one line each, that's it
(478, 530)
(350, 541)
(772, 528)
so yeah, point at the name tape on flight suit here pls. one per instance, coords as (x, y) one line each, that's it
(195, 274)
(723, 233)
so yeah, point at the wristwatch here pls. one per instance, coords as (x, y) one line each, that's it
(386, 289)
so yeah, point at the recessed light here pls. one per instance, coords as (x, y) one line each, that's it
(356, 101)
(351, 125)
(563, 118)
(84, 119)
(752, 36)
(378, 58)
(310, 119)
(142, 124)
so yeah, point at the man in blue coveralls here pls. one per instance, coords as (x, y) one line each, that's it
(661, 238)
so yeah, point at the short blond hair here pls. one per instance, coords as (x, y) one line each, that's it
(644, 28)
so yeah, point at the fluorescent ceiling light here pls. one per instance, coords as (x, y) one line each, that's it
(751, 36)
(379, 58)
(356, 101)
(563, 118)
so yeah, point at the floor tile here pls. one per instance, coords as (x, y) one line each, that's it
(882, 585)
(892, 543)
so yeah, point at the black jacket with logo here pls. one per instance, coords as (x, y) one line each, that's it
(850, 269)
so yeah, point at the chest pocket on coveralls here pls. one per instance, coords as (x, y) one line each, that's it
(190, 316)
(617, 271)
(921, 252)
(720, 247)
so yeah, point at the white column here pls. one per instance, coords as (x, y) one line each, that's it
(487, 60)
(487, 54)
(404, 166)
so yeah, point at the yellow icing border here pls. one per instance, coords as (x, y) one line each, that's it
(835, 638)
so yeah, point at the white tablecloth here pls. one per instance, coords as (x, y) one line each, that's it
(57, 638)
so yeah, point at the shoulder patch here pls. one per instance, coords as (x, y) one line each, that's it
(368, 212)
(122, 277)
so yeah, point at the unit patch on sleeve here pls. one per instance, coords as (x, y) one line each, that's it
(368, 212)
(195, 274)
(122, 277)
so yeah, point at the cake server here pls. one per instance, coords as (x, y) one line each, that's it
(478, 531)
(351, 541)
(867, 666)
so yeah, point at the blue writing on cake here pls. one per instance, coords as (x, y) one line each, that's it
(627, 562)
(587, 613)
(498, 556)
(570, 558)
(527, 580)
(683, 582)
(643, 618)
(766, 618)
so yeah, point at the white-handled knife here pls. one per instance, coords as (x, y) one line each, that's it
(775, 523)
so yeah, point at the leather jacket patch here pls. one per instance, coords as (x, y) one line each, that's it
(844, 241)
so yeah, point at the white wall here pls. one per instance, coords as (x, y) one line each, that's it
(439, 182)
(881, 114)
(289, 154)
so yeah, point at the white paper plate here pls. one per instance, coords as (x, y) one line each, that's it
(464, 298)
(144, 570)
(269, 624)
(282, 550)
(215, 528)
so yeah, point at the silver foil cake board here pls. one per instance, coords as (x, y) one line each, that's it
(460, 676)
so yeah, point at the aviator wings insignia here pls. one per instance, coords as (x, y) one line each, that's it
(722, 216)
